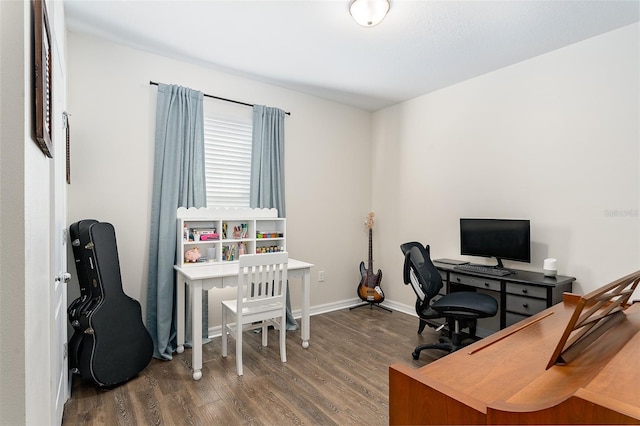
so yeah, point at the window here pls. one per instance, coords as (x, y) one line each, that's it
(227, 158)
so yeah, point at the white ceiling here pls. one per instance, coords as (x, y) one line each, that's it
(315, 47)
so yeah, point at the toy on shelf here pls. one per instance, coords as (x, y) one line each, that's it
(192, 255)
(269, 249)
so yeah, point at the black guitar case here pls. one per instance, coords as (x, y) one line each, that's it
(88, 295)
(110, 344)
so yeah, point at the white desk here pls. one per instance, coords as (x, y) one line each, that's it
(224, 275)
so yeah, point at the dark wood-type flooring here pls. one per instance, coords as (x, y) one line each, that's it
(341, 379)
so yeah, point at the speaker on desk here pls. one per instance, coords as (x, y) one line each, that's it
(550, 268)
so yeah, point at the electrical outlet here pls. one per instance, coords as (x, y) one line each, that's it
(320, 276)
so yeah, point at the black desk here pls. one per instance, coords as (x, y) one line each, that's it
(519, 294)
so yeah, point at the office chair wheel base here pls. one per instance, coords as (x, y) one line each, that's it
(415, 355)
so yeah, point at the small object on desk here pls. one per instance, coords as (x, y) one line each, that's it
(550, 267)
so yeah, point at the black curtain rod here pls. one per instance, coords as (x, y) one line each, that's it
(153, 83)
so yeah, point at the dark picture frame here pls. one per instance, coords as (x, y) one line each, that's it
(42, 77)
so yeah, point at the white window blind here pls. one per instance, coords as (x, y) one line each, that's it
(227, 158)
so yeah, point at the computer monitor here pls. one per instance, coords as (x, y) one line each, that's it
(500, 238)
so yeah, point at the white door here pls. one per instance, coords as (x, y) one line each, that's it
(59, 386)
(59, 358)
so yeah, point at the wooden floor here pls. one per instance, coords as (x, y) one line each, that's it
(341, 379)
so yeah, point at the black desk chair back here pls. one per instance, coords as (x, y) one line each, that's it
(460, 309)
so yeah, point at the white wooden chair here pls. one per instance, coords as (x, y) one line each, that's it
(261, 301)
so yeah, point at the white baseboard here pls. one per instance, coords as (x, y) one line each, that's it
(401, 307)
(335, 306)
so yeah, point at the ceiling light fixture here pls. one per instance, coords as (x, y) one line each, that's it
(369, 12)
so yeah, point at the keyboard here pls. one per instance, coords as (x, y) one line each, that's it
(489, 270)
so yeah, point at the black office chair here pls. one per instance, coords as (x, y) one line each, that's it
(460, 309)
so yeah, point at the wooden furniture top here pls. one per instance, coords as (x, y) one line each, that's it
(505, 375)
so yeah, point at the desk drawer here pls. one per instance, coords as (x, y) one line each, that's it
(527, 290)
(477, 282)
(525, 305)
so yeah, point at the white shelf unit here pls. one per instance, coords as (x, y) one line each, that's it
(238, 230)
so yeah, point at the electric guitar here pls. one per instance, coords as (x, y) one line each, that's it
(369, 289)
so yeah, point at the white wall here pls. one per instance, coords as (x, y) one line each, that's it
(112, 106)
(554, 139)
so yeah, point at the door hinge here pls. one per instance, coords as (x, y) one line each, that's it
(65, 277)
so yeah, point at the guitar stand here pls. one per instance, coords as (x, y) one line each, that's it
(371, 305)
